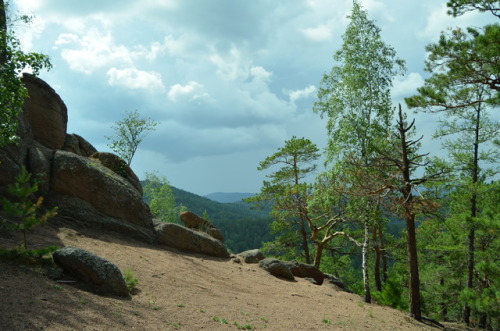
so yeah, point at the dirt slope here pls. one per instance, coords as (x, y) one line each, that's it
(176, 291)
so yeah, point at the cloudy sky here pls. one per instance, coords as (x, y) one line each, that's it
(228, 80)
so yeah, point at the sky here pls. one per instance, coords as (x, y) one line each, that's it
(229, 81)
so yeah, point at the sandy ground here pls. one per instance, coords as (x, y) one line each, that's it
(176, 291)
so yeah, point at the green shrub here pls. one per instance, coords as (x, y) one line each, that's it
(130, 280)
(24, 206)
(392, 295)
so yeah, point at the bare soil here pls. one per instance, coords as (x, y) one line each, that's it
(176, 291)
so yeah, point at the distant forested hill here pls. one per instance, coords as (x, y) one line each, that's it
(228, 197)
(216, 210)
(242, 227)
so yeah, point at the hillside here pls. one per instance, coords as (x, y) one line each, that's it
(243, 228)
(216, 210)
(225, 197)
(176, 291)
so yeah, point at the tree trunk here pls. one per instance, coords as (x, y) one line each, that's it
(305, 245)
(409, 215)
(473, 213)
(443, 304)
(383, 253)
(364, 254)
(317, 256)
(414, 281)
(376, 249)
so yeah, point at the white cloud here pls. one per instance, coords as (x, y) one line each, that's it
(438, 20)
(318, 34)
(135, 79)
(375, 6)
(302, 94)
(93, 51)
(406, 86)
(231, 67)
(261, 74)
(192, 91)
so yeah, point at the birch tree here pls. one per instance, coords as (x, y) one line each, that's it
(129, 133)
(355, 98)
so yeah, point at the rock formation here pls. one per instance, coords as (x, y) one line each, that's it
(193, 221)
(252, 256)
(90, 186)
(178, 236)
(303, 270)
(276, 268)
(86, 186)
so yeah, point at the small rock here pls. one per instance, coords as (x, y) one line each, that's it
(276, 268)
(252, 256)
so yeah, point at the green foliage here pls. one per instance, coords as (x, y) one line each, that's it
(217, 211)
(460, 60)
(355, 95)
(460, 7)
(129, 133)
(392, 295)
(463, 88)
(244, 234)
(288, 193)
(159, 194)
(130, 280)
(25, 212)
(43, 255)
(12, 91)
(243, 228)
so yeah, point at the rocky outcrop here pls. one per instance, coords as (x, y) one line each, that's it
(103, 276)
(193, 221)
(86, 186)
(119, 167)
(178, 236)
(303, 270)
(76, 144)
(276, 268)
(46, 113)
(106, 191)
(252, 256)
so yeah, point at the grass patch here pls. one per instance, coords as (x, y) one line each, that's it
(244, 327)
(220, 320)
(130, 280)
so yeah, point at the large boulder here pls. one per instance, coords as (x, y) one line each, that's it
(103, 189)
(252, 256)
(193, 221)
(102, 275)
(46, 113)
(119, 167)
(276, 268)
(178, 236)
(303, 270)
(76, 144)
